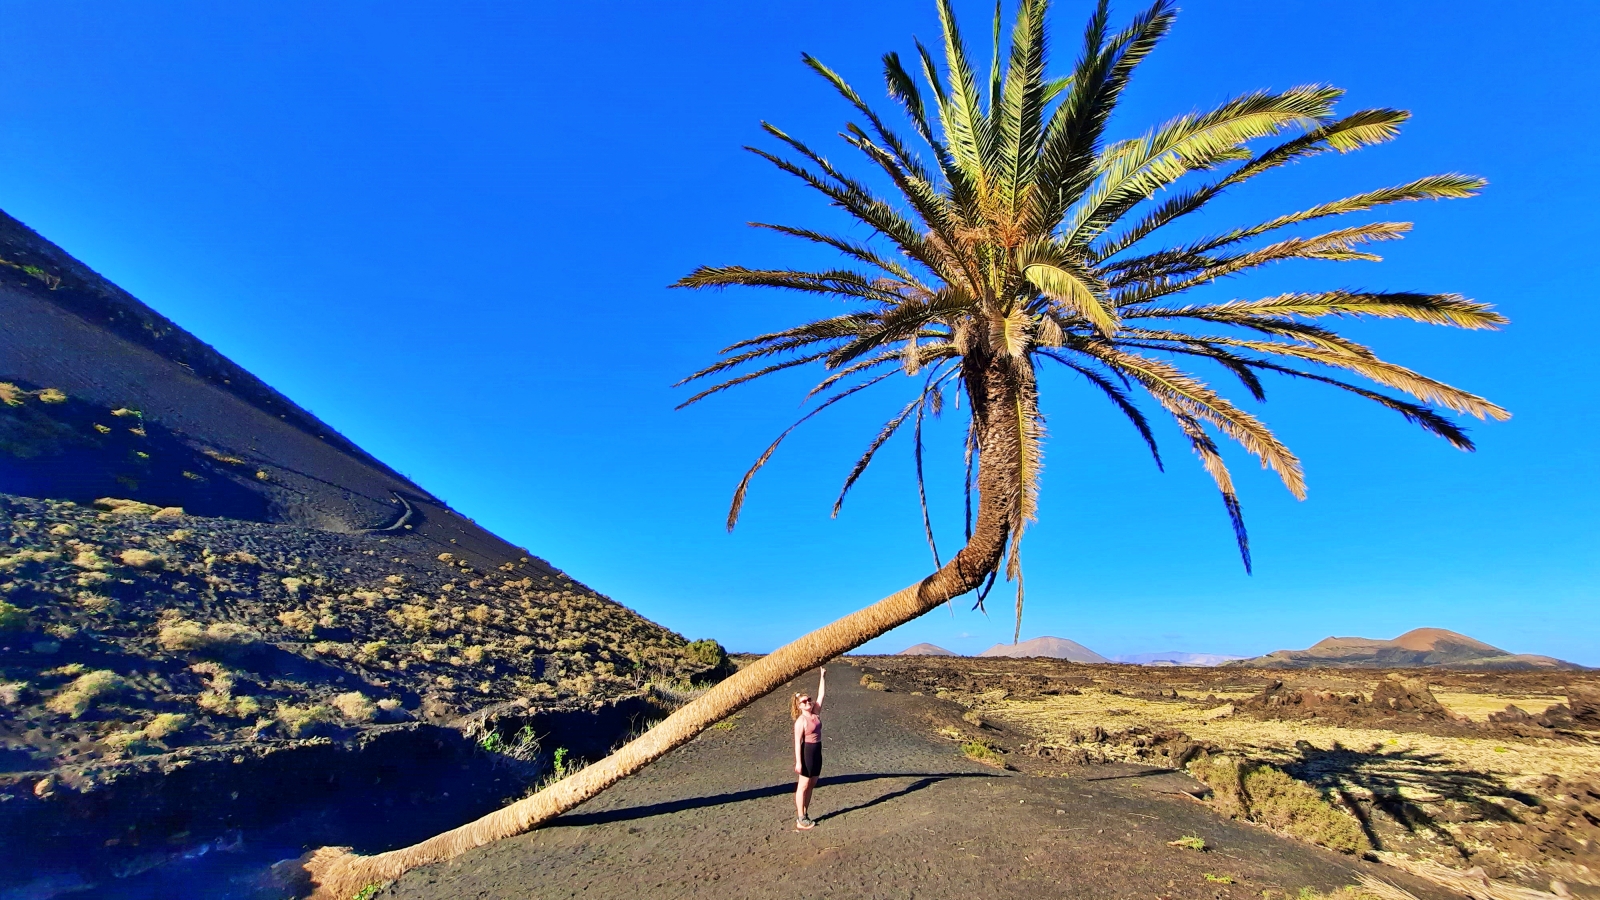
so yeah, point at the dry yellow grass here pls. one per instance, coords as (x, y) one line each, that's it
(1520, 762)
(1477, 707)
(84, 692)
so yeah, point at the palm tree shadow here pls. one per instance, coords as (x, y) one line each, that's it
(1388, 779)
(631, 813)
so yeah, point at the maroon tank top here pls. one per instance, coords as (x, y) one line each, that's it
(813, 730)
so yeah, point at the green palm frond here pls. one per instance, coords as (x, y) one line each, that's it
(1019, 230)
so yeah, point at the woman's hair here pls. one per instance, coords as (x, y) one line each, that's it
(794, 706)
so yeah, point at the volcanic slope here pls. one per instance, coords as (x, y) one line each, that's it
(195, 572)
(146, 411)
(1418, 648)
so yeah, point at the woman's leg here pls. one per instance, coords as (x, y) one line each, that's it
(803, 799)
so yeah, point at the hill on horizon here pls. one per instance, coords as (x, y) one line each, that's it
(926, 649)
(1176, 658)
(1053, 647)
(1418, 648)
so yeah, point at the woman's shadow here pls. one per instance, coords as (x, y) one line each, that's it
(631, 813)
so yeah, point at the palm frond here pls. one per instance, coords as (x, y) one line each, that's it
(744, 483)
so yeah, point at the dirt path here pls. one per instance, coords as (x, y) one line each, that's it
(901, 814)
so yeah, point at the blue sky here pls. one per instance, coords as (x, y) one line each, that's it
(506, 189)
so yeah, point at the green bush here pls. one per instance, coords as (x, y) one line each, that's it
(12, 618)
(710, 654)
(1269, 796)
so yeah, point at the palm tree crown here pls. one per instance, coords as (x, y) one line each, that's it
(1025, 236)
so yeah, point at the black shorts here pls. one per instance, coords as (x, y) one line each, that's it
(810, 759)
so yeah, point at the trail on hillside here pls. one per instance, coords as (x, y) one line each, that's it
(901, 814)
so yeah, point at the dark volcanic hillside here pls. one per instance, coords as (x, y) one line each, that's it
(152, 413)
(218, 615)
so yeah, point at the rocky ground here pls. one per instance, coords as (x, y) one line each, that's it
(138, 641)
(1493, 773)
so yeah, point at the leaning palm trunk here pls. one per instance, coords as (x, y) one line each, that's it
(338, 874)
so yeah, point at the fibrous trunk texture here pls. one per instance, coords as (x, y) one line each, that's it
(338, 874)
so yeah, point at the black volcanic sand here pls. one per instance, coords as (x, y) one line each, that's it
(901, 813)
(195, 429)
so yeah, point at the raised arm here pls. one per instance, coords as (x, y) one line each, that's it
(799, 729)
(822, 688)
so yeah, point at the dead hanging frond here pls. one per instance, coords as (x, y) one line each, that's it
(922, 489)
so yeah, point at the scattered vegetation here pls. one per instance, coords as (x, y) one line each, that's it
(355, 707)
(218, 638)
(229, 631)
(300, 721)
(84, 692)
(12, 618)
(142, 559)
(1189, 842)
(983, 752)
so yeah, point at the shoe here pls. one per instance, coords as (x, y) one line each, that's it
(804, 824)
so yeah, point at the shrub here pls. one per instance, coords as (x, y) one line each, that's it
(218, 698)
(165, 725)
(148, 738)
(1281, 802)
(142, 559)
(97, 603)
(82, 693)
(413, 617)
(89, 559)
(299, 720)
(1267, 795)
(1222, 775)
(12, 618)
(708, 653)
(119, 507)
(983, 752)
(23, 557)
(218, 638)
(297, 621)
(10, 394)
(1189, 842)
(167, 514)
(355, 707)
(51, 395)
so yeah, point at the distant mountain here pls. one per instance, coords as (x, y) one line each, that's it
(1176, 658)
(1422, 647)
(1054, 647)
(926, 650)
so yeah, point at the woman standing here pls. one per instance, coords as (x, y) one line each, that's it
(807, 714)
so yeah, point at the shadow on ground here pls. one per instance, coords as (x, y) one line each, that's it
(631, 813)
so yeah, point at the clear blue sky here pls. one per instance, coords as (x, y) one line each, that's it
(505, 189)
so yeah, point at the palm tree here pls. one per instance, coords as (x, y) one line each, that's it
(1024, 237)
